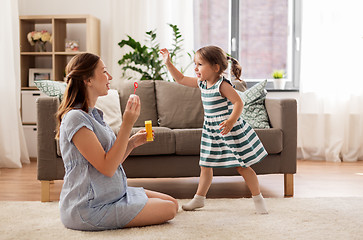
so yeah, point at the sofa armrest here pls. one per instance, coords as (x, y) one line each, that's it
(50, 165)
(283, 115)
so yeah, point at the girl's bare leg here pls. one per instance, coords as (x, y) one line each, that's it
(251, 179)
(205, 180)
(159, 208)
(252, 182)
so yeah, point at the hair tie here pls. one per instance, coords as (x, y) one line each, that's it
(232, 59)
(68, 77)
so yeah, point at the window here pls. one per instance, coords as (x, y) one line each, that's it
(262, 35)
(211, 19)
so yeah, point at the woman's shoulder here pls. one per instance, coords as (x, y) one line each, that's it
(74, 119)
(75, 114)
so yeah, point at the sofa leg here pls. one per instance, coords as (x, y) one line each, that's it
(45, 191)
(289, 184)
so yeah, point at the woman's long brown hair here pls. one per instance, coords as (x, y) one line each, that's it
(80, 68)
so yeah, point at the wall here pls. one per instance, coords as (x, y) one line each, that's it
(99, 9)
(295, 95)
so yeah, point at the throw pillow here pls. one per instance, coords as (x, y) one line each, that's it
(174, 102)
(110, 106)
(51, 88)
(254, 111)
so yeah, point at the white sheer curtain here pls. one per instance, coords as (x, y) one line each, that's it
(13, 150)
(331, 100)
(136, 17)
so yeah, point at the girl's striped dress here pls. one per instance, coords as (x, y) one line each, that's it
(241, 147)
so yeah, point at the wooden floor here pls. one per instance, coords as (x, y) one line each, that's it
(313, 179)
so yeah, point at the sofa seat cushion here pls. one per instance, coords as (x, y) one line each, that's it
(272, 139)
(164, 142)
(187, 141)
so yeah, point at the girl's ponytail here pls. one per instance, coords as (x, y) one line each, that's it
(236, 68)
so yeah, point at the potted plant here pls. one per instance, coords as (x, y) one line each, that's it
(279, 81)
(145, 59)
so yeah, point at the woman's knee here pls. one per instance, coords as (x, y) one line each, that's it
(176, 204)
(162, 196)
(172, 210)
(173, 204)
(166, 208)
(156, 211)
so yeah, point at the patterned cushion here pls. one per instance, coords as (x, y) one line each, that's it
(51, 88)
(254, 111)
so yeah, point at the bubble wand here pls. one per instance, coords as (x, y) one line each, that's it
(135, 86)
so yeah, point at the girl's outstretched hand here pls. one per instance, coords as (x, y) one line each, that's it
(225, 127)
(166, 56)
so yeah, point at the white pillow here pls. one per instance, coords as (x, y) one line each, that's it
(110, 106)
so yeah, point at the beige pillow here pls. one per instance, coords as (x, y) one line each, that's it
(110, 106)
(178, 106)
(146, 92)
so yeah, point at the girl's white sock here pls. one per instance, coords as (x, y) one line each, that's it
(196, 202)
(260, 204)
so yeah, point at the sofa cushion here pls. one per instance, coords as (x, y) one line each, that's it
(51, 88)
(272, 139)
(254, 111)
(164, 142)
(146, 92)
(178, 106)
(110, 106)
(187, 141)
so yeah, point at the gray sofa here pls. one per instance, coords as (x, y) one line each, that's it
(177, 115)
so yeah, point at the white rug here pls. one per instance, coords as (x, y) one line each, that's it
(290, 218)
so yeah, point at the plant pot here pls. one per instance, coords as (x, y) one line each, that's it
(279, 83)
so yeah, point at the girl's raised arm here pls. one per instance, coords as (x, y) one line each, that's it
(175, 73)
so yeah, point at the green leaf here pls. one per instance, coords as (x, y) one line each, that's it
(145, 59)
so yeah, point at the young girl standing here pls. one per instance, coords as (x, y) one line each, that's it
(227, 140)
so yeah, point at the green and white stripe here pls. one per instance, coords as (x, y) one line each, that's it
(240, 147)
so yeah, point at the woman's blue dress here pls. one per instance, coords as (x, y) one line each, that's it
(89, 200)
